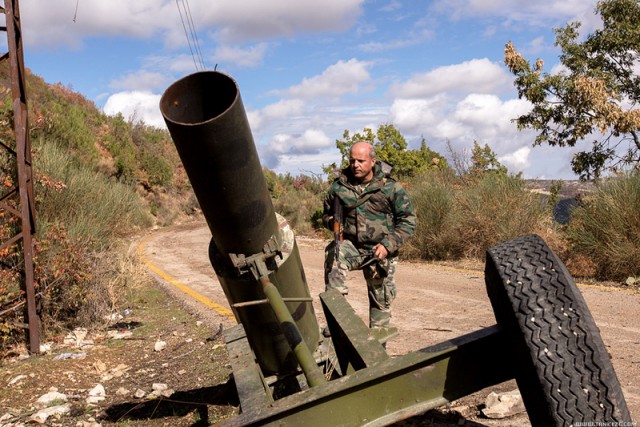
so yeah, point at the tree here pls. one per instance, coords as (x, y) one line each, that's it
(484, 159)
(391, 147)
(595, 97)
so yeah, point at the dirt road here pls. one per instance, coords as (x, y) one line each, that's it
(433, 304)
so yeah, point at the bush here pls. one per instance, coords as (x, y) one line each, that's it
(63, 272)
(606, 226)
(88, 204)
(496, 208)
(457, 219)
(299, 207)
(158, 171)
(436, 235)
(298, 199)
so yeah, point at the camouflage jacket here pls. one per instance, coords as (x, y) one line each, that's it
(386, 216)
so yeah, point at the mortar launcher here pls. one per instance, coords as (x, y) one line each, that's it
(288, 374)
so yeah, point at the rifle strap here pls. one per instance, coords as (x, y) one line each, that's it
(363, 199)
(358, 202)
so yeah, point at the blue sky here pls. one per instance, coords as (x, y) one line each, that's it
(308, 70)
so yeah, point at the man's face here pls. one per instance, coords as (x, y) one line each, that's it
(361, 163)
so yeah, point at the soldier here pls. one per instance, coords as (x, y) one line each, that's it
(377, 219)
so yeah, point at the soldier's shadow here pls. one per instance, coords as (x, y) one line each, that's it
(179, 404)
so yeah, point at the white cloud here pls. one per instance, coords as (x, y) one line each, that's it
(413, 39)
(488, 115)
(230, 20)
(519, 12)
(141, 81)
(518, 160)
(476, 75)
(243, 57)
(306, 163)
(63, 25)
(311, 142)
(415, 114)
(136, 106)
(456, 104)
(259, 19)
(338, 79)
(283, 109)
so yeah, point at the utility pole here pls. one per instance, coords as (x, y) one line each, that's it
(18, 200)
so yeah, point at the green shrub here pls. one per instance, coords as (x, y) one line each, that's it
(462, 219)
(497, 208)
(299, 207)
(298, 199)
(436, 235)
(158, 171)
(89, 205)
(70, 126)
(606, 226)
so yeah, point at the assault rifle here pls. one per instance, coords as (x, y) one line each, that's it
(338, 226)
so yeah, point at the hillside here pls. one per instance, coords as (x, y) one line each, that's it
(124, 151)
(97, 180)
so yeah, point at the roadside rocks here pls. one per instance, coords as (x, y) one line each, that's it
(96, 395)
(48, 398)
(160, 345)
(42, 415)
(503, 405)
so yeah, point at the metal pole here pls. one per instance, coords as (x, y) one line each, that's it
(23, 158)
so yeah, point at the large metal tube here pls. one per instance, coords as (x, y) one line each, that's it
(209, 127)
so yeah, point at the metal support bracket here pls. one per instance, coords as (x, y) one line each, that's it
(261, 264)
(256, 264)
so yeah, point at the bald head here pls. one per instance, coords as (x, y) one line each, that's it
(364, 146)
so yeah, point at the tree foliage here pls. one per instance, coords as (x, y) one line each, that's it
(596, 95)
(484, 159)
(391, 147)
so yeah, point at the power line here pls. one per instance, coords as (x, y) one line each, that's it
(190, 33)
(194, 34)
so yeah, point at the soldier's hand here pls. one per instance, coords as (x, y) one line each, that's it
(379, 251)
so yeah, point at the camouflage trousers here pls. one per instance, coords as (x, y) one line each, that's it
(380, 283)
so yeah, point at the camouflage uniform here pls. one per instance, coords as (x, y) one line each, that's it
(377, 212)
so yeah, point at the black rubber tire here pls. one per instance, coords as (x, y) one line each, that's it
(565, 374)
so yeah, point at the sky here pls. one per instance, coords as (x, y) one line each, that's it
(309, 70)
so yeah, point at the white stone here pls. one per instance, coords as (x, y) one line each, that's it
(80, 334)
(160, 389)
(503, 405)
(17, 379)
(139, 394)
(98, 390)
(46, 399)
(119, 335)
(100, 366)
(92, 400)
(160, 345)
(119, 370)
(42, 415)
(45, 348)
(122, 391)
